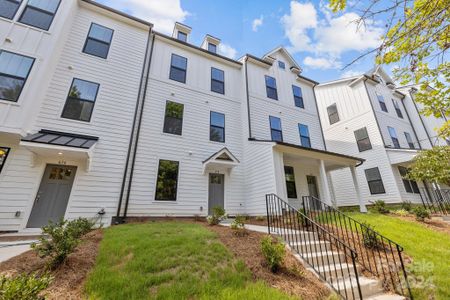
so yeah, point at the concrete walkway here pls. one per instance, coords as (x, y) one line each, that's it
(11, 249)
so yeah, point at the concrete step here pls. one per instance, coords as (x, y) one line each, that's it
(297, 235)
(324, 258)
(337, 271)
(382, 296)
(348, 287)
(310, 246)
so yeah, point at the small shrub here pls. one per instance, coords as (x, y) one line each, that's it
(406, 205)
(260, 218)
(62, 239)
(401, 212)
(24, 287)
(421, 213)
(238, 226)
(296, 271)
(217, 216)
(380, 207)
(273, 252)
(369, 237)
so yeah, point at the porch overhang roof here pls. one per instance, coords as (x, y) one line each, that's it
(222, 159)
(398, 156)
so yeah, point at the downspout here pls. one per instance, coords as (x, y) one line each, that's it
(318, 115)
(420, 117)
(133, 162)
(373, 111)
(136, 109)
(248, 100)
(409, 119)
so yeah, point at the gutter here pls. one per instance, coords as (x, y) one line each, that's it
(248, 99)
(373, 110)
(318, 115)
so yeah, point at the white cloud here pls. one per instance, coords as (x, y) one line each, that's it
(257, 23)
(227, 50)
(321, 63)
(351, 73)
(163, 14)
(302, 18)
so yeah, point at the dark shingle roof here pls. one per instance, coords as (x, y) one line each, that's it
(61, 139)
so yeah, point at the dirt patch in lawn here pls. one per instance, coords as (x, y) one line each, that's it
(69, 277)
(437, 225)
(292, 279)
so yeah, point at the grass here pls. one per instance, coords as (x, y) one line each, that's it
(170, 260)
(429, 249)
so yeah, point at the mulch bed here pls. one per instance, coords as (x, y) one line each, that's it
(69, 277)
(292, 279)
(431, 224)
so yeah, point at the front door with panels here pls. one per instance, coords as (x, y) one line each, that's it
(313, 191)
(53, 194)
(216, 191)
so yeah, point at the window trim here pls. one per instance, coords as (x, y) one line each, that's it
(329, 115)
(272, 129)
(179, 69)
(281, 65)
(268, 87)
(299, 97)
(182, 33)
(410, 140)
(215, 126)
(8, 150)
(409, 181)
(42, 11)
(306, 137)
(367, 137)
(380, 180)
(290, 181)
(214, 46)
(102, 42)
(17, 77)
(165, 116)
(222, 82)
(67, 100)
(19, 2)
(397, 108)
(157, 176)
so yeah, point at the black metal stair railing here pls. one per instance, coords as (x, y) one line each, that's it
(330, 261)
(436, 200)
(377, 254)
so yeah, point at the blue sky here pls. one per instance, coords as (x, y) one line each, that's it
(320, 41)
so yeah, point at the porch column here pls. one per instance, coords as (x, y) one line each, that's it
(325, 195)
(362, 206)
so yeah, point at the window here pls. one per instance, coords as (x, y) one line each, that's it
(281, 64)
(304, 135)
(397, 108)
(382, 103)
(4, 151)
(98, 41)
(80, 101)
(409, 140)
(333, 115)
(173, 119)
(290, 182)
(167, 181)
(217, 81)
(217, 127)
(410, 185)
(212, 48)
(178, 68)
(8, 8)
(374, 180)
(362, 139)
(271, 87)
(298, 97)
(394, 137)
(182, 36)
(39, 13)
(14, 70)
(275, 129)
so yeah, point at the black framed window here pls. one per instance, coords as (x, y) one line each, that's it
(80, 101)
(394, 137)
(182, 36)
(39, 13)
(8, 8)
(217, 81)
(212, 48)
(4, 151)
(333, 115)
(281, 64)
(98, 41)
(173, 118)
(397, 108)
(298, 96)
(374, 180)
(275, 129)
(271, 87)
(290, 182)
(362, 139)
(167, 181)
(382, 103)
(14, 71)
(178, 66)
(305, 140)
(409, 140)
(410, 185)
(217, 127)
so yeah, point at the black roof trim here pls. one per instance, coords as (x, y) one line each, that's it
(197, 48)
(308, 79)
(258, 59)
(309, 149)
(58, 138)
(118, 12)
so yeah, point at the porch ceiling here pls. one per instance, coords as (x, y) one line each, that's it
(399, 156)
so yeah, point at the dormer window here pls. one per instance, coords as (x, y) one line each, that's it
(182, 36)
(281, 64)
(212, 48)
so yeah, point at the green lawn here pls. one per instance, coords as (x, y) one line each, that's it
(170, 260)
(429, 249)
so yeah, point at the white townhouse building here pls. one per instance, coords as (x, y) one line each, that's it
(367, 116)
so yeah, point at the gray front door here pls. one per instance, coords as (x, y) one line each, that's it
(216, 191)
(53, 194)
(313, 191)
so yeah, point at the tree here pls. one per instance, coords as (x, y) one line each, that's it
(432, 165)
(417, 39)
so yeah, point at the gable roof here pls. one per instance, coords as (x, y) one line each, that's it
(268, 56)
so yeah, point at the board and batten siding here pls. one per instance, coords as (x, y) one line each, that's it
(193, 146)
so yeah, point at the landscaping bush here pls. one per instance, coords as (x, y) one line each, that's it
(421, 213)
(401, 212)
(23, 287)
(369, 237)
(273, 251)
(217, 216)
(60, 239)
(407, 205)
(238, 226)
(380, 207)
(260, 218)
